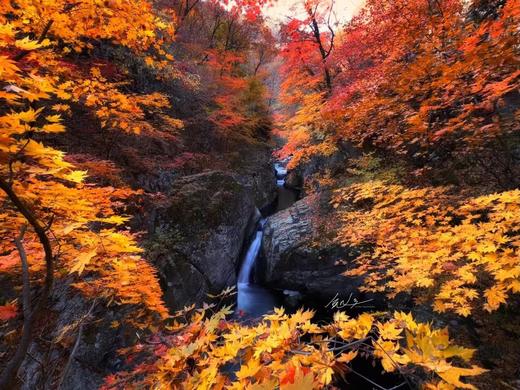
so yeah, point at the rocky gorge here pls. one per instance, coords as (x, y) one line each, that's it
(197, 236)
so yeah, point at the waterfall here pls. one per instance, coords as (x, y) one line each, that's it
(253, 300)
(244, 277)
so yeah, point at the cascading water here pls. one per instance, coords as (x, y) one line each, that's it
(252, 299)
(244, 277)
(286, 196)
(281, 173)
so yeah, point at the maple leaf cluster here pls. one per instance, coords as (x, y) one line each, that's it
(39, 85)
(465, 249)
(289, 351)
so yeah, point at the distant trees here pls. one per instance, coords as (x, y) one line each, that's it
(433, 81)
(227, 49)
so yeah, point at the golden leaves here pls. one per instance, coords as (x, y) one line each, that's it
(430, 239)
(452, 375)
(82, 260)
(249, 369)
(495, 296)
(208, 344)
(29, 44)
(36, 89)
(350, 329)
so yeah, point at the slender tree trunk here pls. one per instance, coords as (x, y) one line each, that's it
(9, 374)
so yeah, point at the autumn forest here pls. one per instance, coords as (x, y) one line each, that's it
(259, 194)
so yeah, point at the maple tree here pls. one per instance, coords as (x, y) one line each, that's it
(435, 92)
(431, 88)
(65, 224)
(435, 89)
(309, 73)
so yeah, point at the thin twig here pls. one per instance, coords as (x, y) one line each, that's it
(76, 345)
(394, 363)
(368, 380)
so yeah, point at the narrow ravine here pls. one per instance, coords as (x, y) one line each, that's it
(253, 300)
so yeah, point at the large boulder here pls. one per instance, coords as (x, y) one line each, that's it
(197, 237)
(297, 256)
(253, 168)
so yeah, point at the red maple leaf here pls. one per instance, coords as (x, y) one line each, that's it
(8, 311)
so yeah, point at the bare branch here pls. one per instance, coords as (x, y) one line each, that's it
(9, 373)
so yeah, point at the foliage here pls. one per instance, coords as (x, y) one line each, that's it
(288, 351)
(8, 311)
(443, 90)
(38, 85)
(308, 43)
(434, 88)
(465, 249)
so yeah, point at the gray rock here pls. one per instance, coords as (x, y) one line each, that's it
(285, 232)
(294, 180)
(254, 170)
(198, 237)
(294, 259)
(96, 355)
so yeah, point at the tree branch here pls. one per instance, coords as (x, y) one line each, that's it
(46, 29)
(9, 373)
(76, 345)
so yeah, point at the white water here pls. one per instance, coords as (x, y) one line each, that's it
(253, 300)
(244, 277)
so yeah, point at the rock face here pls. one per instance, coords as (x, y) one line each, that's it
(255, 172)
(294, 260)
(96, 354)
(197, 237)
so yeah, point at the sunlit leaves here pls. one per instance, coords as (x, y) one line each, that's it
(430, 239)
(38, 85)
(276, 351)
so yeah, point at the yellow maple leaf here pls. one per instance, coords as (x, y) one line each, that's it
(29, 116)
(495, 296)
(76, 176)
(53, 118)
(249, 369)
(389, 330)
(82, 260)
(29, 44)
(53, 128)
(347, 357)
(452, 375)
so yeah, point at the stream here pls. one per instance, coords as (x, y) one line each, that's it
(253, 300)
